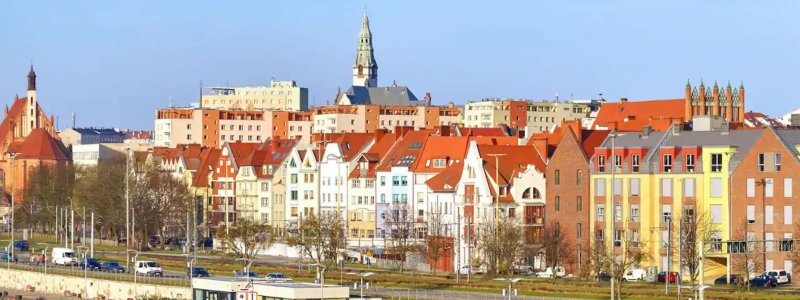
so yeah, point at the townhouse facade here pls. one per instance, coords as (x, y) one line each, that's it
(370, 118)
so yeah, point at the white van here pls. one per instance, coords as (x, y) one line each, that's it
(635, 275)
(780, 275)
(548, 273)
(64, 257)
(149, 268)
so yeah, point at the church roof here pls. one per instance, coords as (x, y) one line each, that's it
(388, 95)
(39, 144)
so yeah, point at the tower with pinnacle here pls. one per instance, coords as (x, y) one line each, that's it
(365, 68)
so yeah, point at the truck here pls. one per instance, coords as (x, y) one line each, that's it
(63, 257)
(148, 268)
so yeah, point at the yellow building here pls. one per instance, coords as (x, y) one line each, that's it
(278, 95)
(651, 180)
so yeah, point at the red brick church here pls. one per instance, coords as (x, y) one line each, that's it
(28, 140)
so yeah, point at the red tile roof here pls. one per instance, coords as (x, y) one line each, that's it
(352, 143)
(634, 115)
(373, 156)
(405, 151)
(450, 148)
(514, 160)
(15, 111)
(759, 120)
(39, 144)
(272, 152)
(447, 180)
(208, 160)
(476, 131)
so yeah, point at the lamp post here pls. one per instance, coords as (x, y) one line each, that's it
(497, 200)
(11, 233)
(511, 282)
(361, 277)
(135, 259)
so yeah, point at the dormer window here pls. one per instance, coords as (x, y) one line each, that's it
(264, 169)
(503, 190)
(269, 170)
(439, 163)
(667, 165)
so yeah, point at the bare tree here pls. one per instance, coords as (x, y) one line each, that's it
(438, 242)
(245, 240)
(322, 239)
(597, 258)
(46, 188)
(632, 254)
(745, 256)
(555, 247)
(696, 233)
(401, 227)
(101, 189)
(501, 243)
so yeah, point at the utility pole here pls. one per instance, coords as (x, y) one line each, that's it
(127, 209)
(91, 241)
(497, 202)
(611, 207)
(669, 257)
(680, 256)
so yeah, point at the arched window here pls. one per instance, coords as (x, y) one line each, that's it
(531, 193)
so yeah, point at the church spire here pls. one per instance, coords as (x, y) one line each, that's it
(365, 68)
(31, 79)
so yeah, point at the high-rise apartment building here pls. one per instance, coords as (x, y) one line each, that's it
(278, 95)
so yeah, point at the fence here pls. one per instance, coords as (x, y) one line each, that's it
(434, 294)
(75, 271)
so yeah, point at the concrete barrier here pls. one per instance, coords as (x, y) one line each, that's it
(88, 288)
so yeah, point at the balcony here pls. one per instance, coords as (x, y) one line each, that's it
(222, 208)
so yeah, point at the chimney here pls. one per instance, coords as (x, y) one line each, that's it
(444, 130)
(623, 100)
(379, 134)
(647, 130)
(400, 131)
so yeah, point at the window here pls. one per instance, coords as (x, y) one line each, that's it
(618, 163)
(579, 178)
(294, 178)
(264, 202)
(768, 188)
(420, 197)
(768, 214)
(716, 162)
(688, 187)
(666, 213)
(617, 186)
(293, 195)
(580, 203)
(633, 238)
(666, 187)
(716, 187)
(618, 212)
(716, 241)
(403, 181)
(787, 215)
(761, 159)
(777, 162)
(601, 212)
(634, 187)
(395, 180)
(751, 187)
(716, 214)
(439, 163)
(558, 203)
(383, 180)
(600, 234)
(785, 244)
(634, 213)
(751, 214)
(689, 162)
(667, 163)
(599, 187)
(617, 237)
(579, 228)
(557, 177)
(635, 163)
(264, 186)
(601, 163)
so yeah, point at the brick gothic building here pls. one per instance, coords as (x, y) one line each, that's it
(727, 102)
(28, 141)
(764, 199)
(568, 188)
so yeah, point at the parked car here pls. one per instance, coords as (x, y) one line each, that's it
(22, 245)
(467, 269)
(779, 275)
(112, 266)
(603, 276)
(724, 279)
(89, 263)
(523, 269)
(249, 274)
(154, 241)
(548, 273)
(63, 257)
(764, 280)
(5, 257)
(149, 268)
(673, 277)
(197, 272)
(635, 275)
(277, 277)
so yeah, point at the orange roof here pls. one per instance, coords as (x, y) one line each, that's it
(16, 110)
(39, 144)
(271, 152)
(352, 143)
(591, 139)
(476, 131)
(406, 151)
(446, 180)
(450, 148)
(373, 156)
(635, 115)
(514, 159)
(208, 160)
(240, 152)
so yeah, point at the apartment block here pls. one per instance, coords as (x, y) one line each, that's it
(369, 118)
(525, 115)
(278, 95)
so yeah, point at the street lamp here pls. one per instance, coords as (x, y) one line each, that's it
(362, 275)
(511, 282)
(321, 279)
(135, 259)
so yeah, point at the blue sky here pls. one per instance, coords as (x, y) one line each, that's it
(115, 62)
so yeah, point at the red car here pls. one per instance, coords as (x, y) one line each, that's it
(673, 277)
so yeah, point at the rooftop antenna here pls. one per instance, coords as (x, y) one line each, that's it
(74, 119)
(201, 94)
(571, 97)
(556, 96)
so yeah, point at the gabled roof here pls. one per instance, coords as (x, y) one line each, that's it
(352, 143)
(452, 149)
(405, 151)
(477, 131)
(39, 144)
(373, 156)
(239, 152)
(447, 180)
(270, 153)
(590, 139)
(388, 95)
(757, 119)
(208, 160)
(514, 160)
(635, 115)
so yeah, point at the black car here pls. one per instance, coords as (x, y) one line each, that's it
(89, 263)
(112, 266)
(197, 272)
(724, 279)
(603, 276)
